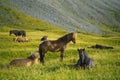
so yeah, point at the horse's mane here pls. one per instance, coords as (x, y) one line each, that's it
(85, 53)
(63, 38)
(66, 38)
(13, 31)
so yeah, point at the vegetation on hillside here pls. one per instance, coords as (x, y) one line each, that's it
(13, 19)
(75, 15)
(107, 60)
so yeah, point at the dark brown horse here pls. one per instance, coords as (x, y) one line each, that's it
(98, 46)
(56, 45)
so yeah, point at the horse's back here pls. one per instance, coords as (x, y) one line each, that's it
(18, 32)
(51, 45)
(19, 62)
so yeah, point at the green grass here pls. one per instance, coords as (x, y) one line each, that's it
(108, 61)
(108, 65)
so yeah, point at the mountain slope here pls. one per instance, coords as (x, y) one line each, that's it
(14, 19)
(108, 65)
(93, 16)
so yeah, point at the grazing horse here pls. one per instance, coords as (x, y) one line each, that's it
(56, 45)
(18, 33)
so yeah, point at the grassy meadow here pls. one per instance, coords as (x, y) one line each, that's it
(108, 65)
(108, 61)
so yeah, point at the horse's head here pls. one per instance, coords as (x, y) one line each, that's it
(34, 56)
(10, 32)
(73, 38)
(81, 53)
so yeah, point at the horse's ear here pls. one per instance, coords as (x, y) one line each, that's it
(78, 49)
(31, 57)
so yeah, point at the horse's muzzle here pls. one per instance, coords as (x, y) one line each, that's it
(74, 42)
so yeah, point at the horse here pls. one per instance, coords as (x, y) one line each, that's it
(18, 33)
(58, 45)
(84, 60)
(29, 61)
(20, 39)
(98, 46)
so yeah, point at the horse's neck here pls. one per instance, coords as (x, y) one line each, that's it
(63, 41)
(35, 61)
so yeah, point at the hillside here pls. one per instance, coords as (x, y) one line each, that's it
(14, 19)
(95, 16)
(108, 65)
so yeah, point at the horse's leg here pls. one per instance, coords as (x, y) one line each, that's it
(62, 55)
(16, 38)
(43, 60)
(78, 65)
(84, 66)
(24, 38)
(42, 55)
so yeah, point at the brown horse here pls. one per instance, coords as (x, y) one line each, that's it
(29, 61)
(56, 45)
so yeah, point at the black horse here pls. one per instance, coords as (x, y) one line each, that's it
(18, 33)
(98, 46)
(84, 60)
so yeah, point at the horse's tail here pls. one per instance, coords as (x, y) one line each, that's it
(41, 54)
